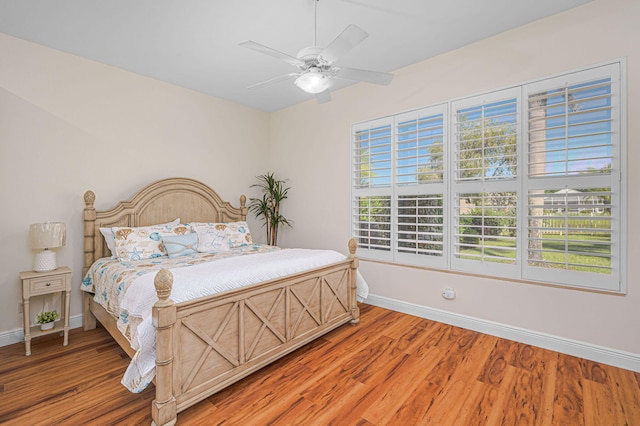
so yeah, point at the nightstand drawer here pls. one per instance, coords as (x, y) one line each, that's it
(46, 285)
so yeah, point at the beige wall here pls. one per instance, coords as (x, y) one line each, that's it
(310, 145)
(68, 124)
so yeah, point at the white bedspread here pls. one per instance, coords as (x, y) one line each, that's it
(206, 279)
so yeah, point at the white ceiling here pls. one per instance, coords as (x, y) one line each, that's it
(194, 43)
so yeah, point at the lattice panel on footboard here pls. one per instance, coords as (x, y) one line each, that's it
(239, 335)
(265, 321)
(213, 346)
(318, 301)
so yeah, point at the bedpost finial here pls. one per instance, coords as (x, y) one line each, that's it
(163, 283)
(243, 200)
(89, 198)
(353, 245)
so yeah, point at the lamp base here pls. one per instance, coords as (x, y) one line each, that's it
(45, 261)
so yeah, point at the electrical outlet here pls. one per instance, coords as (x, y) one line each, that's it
(449, 293)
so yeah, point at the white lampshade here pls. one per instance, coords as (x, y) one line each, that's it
(313, 81)
(46, 236)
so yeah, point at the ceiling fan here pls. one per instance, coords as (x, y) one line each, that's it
(316, 65)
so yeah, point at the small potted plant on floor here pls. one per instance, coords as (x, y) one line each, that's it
(46, 319)
(274, 192)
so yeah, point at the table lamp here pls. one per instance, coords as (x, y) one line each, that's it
(46, 236)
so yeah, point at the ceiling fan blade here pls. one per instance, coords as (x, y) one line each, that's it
(323, 97)
(273, 81)
(273, 53)
(347, 40)
(355, 74)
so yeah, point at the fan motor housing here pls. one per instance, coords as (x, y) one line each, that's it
(311, 57)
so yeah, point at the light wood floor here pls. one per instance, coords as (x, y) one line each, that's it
(392, 369)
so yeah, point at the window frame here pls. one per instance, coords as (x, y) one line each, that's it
(521, 184)
(615, 181)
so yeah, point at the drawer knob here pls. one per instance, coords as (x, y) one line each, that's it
(48, 284)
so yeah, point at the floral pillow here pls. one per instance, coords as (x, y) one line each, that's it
(211, 236)
(110, 239)
(144, 242)
(238, 234)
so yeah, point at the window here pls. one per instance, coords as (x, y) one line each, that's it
(523, 183)
(573, 182)
(419, 186)
(485, 183)
(372, 183)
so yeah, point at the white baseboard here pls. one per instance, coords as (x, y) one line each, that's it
(17, 336)
(622, 359)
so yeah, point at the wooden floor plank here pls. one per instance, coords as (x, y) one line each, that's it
(495, 368)
(550, 366)
(449, 402)
(391, 369)
(479, 403)
(394, 384)
(568, 407)
(395, 402)
(626, 395)
(595, 410)
(527, 400)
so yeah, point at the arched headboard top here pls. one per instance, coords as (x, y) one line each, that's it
(159, 202)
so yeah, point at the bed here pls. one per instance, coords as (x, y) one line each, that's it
(206, 344)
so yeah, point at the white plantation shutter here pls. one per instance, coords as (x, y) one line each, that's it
(486, 227)
(574, 232)
(573, 179)
(485, 235)
(486, 137)
(570, 129)
(524, 183)
(372, 155)
(420, 224)
(420, 146)
(372, 181)
(419, 190)
(372, 222)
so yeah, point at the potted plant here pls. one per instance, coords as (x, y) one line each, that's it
(46, 319)
(268, 207)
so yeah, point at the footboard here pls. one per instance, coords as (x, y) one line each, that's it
(207, 344)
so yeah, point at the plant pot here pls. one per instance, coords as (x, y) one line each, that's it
(46, 326)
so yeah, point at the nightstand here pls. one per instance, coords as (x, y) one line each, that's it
(41, 283)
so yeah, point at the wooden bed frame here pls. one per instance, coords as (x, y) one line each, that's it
(205, 345)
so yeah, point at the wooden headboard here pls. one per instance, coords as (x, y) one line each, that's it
(160, 202)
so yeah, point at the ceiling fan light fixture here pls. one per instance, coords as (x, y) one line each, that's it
(316, 64)
(313, 81)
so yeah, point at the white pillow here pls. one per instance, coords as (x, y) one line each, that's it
(110, 238)
(211, 236)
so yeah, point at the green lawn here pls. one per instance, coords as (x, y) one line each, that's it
(584, 243)
(594, 244)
